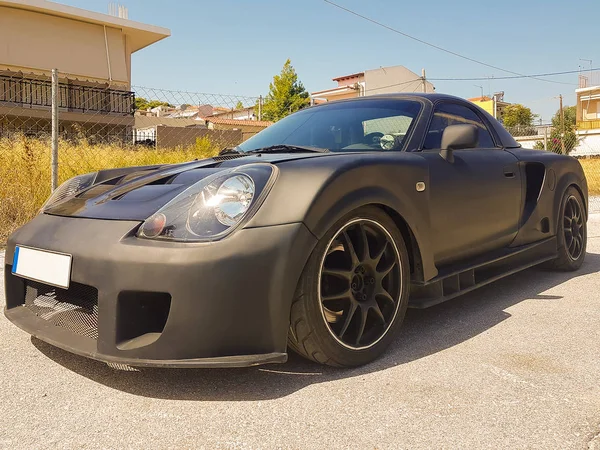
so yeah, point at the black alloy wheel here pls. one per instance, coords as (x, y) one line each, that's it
(574, 228)
(360, 284)
(571, 233)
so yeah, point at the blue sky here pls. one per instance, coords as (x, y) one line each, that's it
(236, 46)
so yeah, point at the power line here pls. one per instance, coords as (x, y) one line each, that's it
(515, 77)
(437, 47)
(550, 74)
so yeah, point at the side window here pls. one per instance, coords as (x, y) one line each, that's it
(452, 114)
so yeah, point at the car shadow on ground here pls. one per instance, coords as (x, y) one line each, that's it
(424, 332)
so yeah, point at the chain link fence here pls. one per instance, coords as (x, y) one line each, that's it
(581, 144)
(103, 126)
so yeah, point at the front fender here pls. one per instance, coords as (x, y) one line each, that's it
(319, 193)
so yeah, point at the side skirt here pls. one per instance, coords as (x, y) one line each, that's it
(460, 279)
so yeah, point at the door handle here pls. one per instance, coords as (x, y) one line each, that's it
(509, 171)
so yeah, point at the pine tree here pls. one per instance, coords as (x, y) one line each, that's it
(286, 95)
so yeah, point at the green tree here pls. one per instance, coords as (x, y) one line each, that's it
(286, 95)
(143, 104)
(517, 115)
(570, 137)
(239, 105)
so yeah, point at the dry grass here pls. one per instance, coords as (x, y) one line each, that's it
(25, 170)
(591, 167)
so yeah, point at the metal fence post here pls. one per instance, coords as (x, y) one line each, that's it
(54, 158)
(546, 138)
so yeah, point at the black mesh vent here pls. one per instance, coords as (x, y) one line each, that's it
(226, 157)
(75, 309)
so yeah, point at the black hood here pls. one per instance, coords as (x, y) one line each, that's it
(138, 192)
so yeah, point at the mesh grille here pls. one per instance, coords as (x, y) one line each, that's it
(227, 157)
(75, 309)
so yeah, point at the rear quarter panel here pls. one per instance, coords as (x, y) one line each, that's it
(561, 171)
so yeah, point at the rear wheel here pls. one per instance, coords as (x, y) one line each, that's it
(572, 233)
(353, 292)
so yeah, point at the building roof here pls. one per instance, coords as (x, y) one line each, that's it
(141, 35)
(252, 123)
(354, 75)
(479, 99)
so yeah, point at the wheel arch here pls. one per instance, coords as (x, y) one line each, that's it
(404, 212)
(568, 180)
(414, 252)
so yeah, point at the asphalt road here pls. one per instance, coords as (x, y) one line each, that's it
(513, 365)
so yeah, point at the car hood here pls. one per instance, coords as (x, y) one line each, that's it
(138, 192)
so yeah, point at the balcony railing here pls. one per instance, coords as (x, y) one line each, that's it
(588, 124)
(29, 93)
(589, 78)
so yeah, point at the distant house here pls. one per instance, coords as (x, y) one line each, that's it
(375, 81)
(588, 114)
(494, 105)
(237, 114)
(92, 53)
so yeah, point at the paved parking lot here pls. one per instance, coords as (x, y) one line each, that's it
(513, 365)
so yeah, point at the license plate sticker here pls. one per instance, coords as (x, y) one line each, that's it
(41, 265)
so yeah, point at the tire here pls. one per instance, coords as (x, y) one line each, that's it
(359, 322)
(571, 244)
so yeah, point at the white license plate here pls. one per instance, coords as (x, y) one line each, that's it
(43, 266)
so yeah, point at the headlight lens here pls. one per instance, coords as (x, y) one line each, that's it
(213, 207)
(233, 199)
(69, 189)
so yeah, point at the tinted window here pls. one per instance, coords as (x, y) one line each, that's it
(344, 126)
(452, 114)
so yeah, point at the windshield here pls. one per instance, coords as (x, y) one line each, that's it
(377, 125)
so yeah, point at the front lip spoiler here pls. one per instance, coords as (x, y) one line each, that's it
(50, 334)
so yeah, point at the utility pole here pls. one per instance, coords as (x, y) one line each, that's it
(54, 115)
(424, 80)
(562, 126)
(260, 101)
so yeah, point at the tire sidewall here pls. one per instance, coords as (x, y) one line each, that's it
(564, 259)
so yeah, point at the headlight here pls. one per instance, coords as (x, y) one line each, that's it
(69, 189)
(213, 207)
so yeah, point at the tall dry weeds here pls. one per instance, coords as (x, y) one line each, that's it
(25, 169)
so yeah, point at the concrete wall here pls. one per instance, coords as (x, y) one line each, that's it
(170, 137)
(393, 79)
(36, 42)
(589, 144)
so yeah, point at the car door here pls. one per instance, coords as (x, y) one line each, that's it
(475, 201)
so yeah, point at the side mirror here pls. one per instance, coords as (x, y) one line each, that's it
(458, 137)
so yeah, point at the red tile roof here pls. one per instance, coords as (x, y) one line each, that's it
(354, 75)
(479, 99)
(253, 123)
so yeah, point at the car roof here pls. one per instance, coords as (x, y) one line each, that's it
(431, 96)
(506, 139)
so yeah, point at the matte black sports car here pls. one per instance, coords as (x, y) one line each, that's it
(316, 234)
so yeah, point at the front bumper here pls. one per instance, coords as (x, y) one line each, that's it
(228, 301)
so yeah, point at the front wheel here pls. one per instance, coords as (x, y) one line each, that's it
(353, 292)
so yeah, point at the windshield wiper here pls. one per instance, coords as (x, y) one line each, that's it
(230, 151)
(283, 148)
